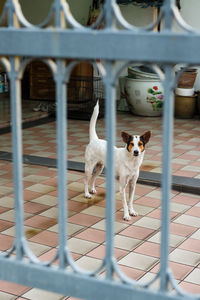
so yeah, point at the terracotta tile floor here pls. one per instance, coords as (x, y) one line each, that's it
(27, 111)
(137, 242)
(41, 141)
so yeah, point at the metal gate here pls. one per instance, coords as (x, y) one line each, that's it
(20, 43)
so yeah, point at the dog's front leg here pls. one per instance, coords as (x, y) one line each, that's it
(132, 185)
(123, 185)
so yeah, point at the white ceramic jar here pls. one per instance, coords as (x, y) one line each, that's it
(144, 96)
(184, 92)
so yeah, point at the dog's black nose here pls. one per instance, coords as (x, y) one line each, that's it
(136, 152)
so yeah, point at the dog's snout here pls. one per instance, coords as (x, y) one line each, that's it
(136, 152)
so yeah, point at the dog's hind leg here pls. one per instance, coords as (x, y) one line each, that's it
(97, 171)
(88, 175)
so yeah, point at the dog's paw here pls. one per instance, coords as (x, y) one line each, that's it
(88, 196)
(93, 191)
(127, 217)
(133, 213)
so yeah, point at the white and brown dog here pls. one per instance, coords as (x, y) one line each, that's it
(129, 160)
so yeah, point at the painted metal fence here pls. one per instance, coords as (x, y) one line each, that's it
(20, 42)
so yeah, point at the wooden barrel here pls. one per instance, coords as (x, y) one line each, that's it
(185, 106)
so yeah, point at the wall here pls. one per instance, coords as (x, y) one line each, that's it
(36, 11)
(190, 13)
(80, 10)
(136, 15)
(2, 2)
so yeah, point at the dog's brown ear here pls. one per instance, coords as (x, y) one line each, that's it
(146, 136)
(125, 136)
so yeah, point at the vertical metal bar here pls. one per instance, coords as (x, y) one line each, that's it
(168, 14)
(12, 17)
(57, 13)
(17, 156)
(109, 19)
(166, 160)
(62, 163)
(110, 159)
(166, 174)
(110, 171)
(10, 13)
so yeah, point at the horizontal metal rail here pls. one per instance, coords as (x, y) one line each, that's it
(68, 283)
(168, 47)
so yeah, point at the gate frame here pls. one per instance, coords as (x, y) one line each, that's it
(18, 40)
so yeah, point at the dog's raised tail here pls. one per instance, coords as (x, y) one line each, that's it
(93, 120)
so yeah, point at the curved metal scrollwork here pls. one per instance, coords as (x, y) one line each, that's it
(61, 7)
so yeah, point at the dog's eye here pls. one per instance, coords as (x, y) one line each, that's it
(130, 146)
(139, 143)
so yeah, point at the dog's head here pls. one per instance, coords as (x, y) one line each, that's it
(135, 143)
